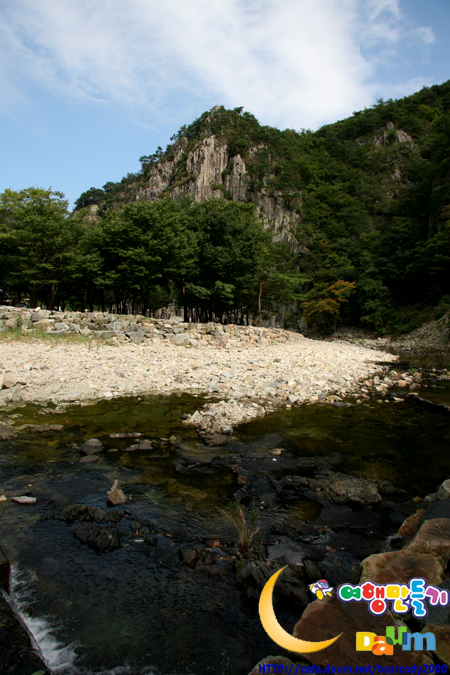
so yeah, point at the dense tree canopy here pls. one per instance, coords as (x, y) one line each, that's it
(372, 193)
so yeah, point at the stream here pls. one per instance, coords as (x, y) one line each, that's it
(139, 608)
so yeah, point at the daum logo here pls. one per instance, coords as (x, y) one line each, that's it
(277, 632)
(404, 598)
(384, 645)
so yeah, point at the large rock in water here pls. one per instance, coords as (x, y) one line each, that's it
(410, 526)
(400, 567)
(433, 538)
(327, 618)
(92, 446)
(97, 537)
(442, 635)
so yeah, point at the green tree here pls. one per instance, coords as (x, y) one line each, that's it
(39, 237)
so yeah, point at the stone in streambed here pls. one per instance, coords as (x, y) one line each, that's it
(400, 567)
(24, 500)
(188, 556)
(88, 459)
(97, 537)
(433, 538)
(5, 570)
(442, 635)
(411, 524)
(328, 618)
(92, 446)
(116, 497)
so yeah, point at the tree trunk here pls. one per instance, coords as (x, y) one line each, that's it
(185, 310)
(259, 299)
(52, 297)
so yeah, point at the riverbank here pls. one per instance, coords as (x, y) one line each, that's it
(254, 370)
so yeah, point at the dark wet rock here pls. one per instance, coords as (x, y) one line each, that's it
(99, 538)
(338, 488)
(252, 575)
(294, 551)
(88, 513)
(361, 545)
(17, 656)
(438, 509)
(216, 440)
(430, 406)
(290, 527)
(5, 570)
(313, 571)
(257, 551)
(141, 528)
(328, 618)
(92, 446)
(88, 459)
(400, 567)
(188, 556)
(341, 489)
(337, 567)
(394, 543)
(433, 537)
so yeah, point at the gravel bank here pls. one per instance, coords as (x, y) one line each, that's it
(253, 377)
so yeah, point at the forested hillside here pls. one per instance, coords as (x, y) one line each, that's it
(350, 223)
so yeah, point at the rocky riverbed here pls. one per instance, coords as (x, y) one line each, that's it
(254, 370)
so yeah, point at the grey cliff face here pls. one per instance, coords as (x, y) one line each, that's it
(205, 167)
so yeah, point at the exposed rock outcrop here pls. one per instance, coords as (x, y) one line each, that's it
(210, 172)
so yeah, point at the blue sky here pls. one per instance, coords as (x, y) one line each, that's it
(88, 86)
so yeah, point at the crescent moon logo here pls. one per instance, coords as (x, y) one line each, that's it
(276, 632)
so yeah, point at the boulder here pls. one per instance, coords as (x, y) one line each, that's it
(9, 382)
(92, 446)
(116, 496)
(411, 524)
(400, 567)
(437, 509)
(35, 316)
(444, 490)
(88, 459)
(433, 538)
(442, 635)
(327, 618)
(24, 500)
(181, 339)
(188, 556)
(137, 338)
(97, 537)
(61, 325)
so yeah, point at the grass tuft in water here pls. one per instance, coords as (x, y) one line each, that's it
(234, 513)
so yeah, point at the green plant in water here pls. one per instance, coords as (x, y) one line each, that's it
(234, 513)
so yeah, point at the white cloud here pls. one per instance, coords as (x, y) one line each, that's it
(296, 63)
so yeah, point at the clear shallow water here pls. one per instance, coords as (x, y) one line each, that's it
(138, 609)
